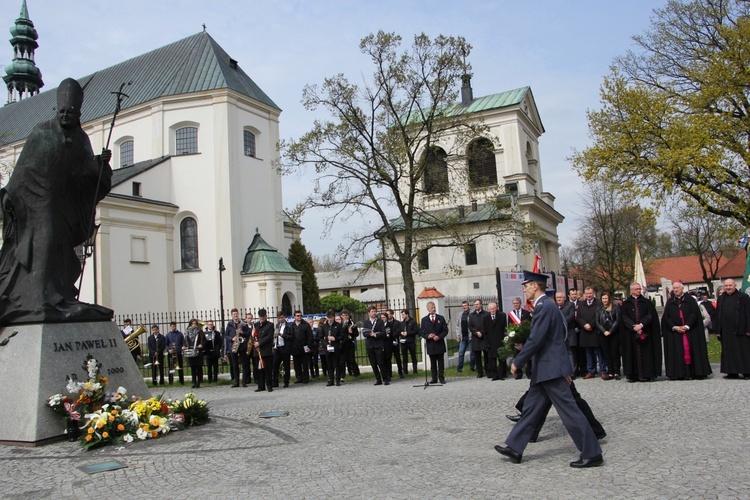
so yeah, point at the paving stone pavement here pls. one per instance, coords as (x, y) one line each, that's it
(665, 440)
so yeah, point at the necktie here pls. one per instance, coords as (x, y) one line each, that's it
(589, 302)
(432, 318)
(493, 317)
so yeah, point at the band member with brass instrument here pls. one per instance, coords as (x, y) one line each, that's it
(282, 338)
(374, 343)
(195, 339)
(332, 336)
(263, 352)
(392, 350)
(301, 346)
(349, 345)
(408, 341)
(212, 350)
(175, 346)
(245, 349)
(156, 345)
(127, 329)
(232, 345)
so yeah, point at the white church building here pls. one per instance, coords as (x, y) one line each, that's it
(195, 181)
(504, 162)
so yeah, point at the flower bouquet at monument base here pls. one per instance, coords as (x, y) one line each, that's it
(97, 417)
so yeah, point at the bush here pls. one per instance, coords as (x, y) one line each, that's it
(337, 302)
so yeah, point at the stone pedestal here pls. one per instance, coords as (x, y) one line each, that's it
(35, 360)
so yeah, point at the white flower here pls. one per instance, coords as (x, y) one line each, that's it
(512, 334)
(72, 386)
(141, 434)
(121, 390)
(128, 438)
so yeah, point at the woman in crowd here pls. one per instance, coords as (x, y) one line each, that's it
(195, 339)
(607, 323)
(212, 351)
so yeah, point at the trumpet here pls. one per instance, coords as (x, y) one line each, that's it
(174, 365)
(132, 339)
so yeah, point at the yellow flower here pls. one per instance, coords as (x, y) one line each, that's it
(120, 427)
(105, 434)
(91, 430)
(88, 438)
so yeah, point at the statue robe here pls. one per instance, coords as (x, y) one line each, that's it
(48, 210)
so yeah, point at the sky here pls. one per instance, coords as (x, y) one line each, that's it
(561, 49)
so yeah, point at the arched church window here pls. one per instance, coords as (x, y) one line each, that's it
(186, 140)
(189, 243)
(482, 166)
(435, 170)
(126, 153)
(249, 140)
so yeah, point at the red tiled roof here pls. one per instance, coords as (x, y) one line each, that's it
(688, 269)
(431, 292)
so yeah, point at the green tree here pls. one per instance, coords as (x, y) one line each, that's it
(370, 158)
(337, 302)
(302, 260)
(675, 115)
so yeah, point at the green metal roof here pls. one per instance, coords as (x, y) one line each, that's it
(194, 64)
(494, 101)
(263, 258)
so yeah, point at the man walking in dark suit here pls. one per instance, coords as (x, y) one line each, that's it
(434, 329)
(550, 380)
(494, 329)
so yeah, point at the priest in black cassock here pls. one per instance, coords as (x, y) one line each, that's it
(640, 337)
(733, 330)
(685, 351)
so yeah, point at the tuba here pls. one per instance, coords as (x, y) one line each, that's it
(132, 339)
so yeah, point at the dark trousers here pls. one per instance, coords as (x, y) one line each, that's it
(160, 367)
(196, 370)
(313, 356)
(349, 357)
(264, 376)
(176, 361)
(387, 368)
(596, 426)
(281, 356)
(611, 348)
(335, 367)
(234, 367)
(324, 364)
(437, 367)
(395, 354)
(497, 368)
(479, 355)
(409, 349)
(555, 392)
(580, 360)
(244, 363)
(376, 362)
(302, 367)
(212, 366)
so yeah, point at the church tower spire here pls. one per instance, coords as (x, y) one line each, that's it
(22, 77)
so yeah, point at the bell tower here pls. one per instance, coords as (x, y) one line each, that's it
(22, 77)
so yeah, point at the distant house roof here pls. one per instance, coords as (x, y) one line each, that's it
(430, 292)
(123, 174)
(263, 258)
(194, 64)
(335, 280)
(372, 295)
(688, 269)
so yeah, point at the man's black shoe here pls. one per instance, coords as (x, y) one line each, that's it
(329, 384)
(297, 381)
(386, 383)
(235, 385)
(514, 456)
(286, 384)
(259, 390)
(497, 378)
(513, 418)
(378, 383)
(442, 381)
(433, 381)
(338, 384)
(587, 462)
(270, 389)
(601, 436)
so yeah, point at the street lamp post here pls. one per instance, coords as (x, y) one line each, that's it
(221, 292)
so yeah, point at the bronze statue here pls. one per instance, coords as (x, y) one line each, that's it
(48, 210)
